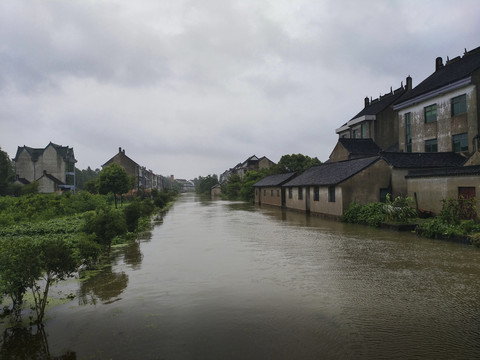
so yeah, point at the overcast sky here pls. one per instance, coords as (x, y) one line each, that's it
(194, 87)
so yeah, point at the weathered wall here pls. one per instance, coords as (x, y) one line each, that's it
(52, 163)
(46, 185)
(294, 202)
(323, 206)
(445, 127)
(365, 186)
(24, 167)
(399, 183)
(430, 191)
(339, 153)
(269, 195)
(386, 128)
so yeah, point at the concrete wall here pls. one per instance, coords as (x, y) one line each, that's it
(339, 153)
(268, 195)
(445, 127)
(52, 163)
(294, 202)
(365, 186)
(399, 183)
(323, 206)
(430, 191)
(46, 185)
(24, 167)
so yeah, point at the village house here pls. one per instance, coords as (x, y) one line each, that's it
(144, 178)
(441, 113)
(377, 120)
(269, 190)
(53, 167)
(330, 188)
(252, 163)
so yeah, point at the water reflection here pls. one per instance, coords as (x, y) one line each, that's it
(29, 343)
(105, 286)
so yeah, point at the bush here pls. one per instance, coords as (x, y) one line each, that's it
(106, 224)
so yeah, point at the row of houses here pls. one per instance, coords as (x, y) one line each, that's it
(252, 163)
(53, 168)
(144, 178)
(421, 142)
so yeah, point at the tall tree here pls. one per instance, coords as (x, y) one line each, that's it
(7, 173)
(113, 179)
(295, 163)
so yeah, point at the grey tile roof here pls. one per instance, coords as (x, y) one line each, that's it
(275, 180)
(458, 171)
(331, 173)
(380, 104)
(364, 147)
(405, 160)
(64, 151)
(454, 70)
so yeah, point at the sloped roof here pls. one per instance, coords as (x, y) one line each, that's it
(275, 180)
(360, 146)
(331, 173)
(64, 151)
(380, 104)
(453, 71)
(458, 171)
(405, 160)
(52, 178)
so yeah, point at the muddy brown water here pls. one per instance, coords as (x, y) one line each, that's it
(226, 280)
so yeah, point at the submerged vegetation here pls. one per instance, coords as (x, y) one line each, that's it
(457, 219)
(46, 238)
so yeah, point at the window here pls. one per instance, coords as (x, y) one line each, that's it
(278, 193)
(431, 145)
(460, 142)
(430, 113)
(355, 134)
(316, 193)
(271, 193)
(331, 194)
(290, 193)
(264, 192)
(300, 193)
(364, 129)
(408, 133)
(459, 105)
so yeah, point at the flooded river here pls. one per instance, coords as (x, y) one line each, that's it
(223, 280)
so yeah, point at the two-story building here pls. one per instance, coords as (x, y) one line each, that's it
(441, 114)
(53, 167)
(377, 120)
(144, 178)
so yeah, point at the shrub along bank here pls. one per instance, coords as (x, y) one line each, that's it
(456, 221)
(47, 238)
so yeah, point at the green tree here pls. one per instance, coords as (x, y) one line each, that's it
(106, 224)
(84, 177)
(232, 187)
(247, 191)
(15, 271)
(57, 262)
(7, 173)
(295, 163)
(205, 184)
(113, 179)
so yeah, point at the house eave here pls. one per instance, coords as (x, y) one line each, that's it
(431, 94)
(355, 121)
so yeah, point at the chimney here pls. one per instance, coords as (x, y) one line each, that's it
(367, 101)
(123, 151)
(438, 63)
(119, 149)
(409, 83)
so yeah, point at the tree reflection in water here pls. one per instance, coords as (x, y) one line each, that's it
(28, 343)
(105, 286)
